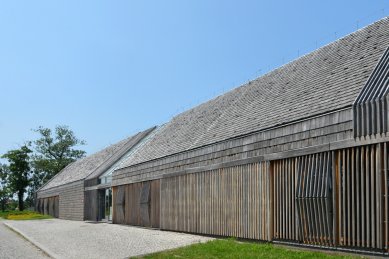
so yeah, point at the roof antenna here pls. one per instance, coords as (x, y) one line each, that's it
(357, 25)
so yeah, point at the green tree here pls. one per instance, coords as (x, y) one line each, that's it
(54, 151)
(5, 192)
(18, 176)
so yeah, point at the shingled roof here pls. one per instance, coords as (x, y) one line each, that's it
(95, 164)
(325, 80)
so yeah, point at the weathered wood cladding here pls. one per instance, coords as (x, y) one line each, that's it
(91, 205)
(337, 198)
(362, 201)
(328, 128)
(334, 199)
(231, 201)
(49, 206)
(303, 199)
(137, 204)
(71, 199)
(371, 114)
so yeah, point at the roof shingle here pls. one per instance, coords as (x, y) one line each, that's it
(327, 79)
(95, 164)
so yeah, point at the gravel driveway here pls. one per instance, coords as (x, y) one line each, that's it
(13, 246)
(74, 239)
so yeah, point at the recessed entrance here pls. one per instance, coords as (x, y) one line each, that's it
(105, 204)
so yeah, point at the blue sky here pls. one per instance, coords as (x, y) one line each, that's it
(109, 69)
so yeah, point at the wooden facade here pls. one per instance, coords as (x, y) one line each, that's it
(48, 206)
(232, 201)
(335, 198)
(137, 204)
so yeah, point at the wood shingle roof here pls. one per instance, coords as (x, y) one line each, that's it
(324, 80)
(94, 165)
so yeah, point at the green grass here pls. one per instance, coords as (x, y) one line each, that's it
(229, 248)
(23, 215)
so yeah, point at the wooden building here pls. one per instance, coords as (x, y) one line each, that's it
(297, 156)
(82, 190)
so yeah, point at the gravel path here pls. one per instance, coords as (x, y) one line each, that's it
(14, 246)
(74, 239)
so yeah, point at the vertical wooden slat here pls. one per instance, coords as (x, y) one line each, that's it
(270, 216)
(323, 200)
(311, 201)
(368, 210)
(352, 190)
(277, 212)
(386, 201)
(293, 199)
(358, 194)
(378, 202)
(363, 197)
(372, 195)
(335, 196)
(344, 202)
(348, 197)
(306, 199)
(283, 205)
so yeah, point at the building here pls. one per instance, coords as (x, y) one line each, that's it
(297, 156)
(80, 191)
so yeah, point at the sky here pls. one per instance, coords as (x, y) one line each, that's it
(109, 69)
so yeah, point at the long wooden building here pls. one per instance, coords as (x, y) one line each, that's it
(297, 156)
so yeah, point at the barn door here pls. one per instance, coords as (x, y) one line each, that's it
(145, 204)
(38, 206)
(56, 206)
(119, 205)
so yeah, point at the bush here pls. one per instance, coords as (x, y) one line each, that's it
(23, 215)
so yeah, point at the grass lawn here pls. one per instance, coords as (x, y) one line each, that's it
(229, 248)
(23, 215)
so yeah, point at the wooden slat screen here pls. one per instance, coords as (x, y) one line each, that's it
(284, 174)
(362, 194)
(231, 201)
(314, 199)
(386, 195)
(337, 198)
(371, 115)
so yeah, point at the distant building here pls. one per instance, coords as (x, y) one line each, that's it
(297, 156)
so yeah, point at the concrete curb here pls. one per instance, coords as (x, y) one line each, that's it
(35, 243)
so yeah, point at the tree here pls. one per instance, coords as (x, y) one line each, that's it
(5, 193)
(18, 176)
(54, 153)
